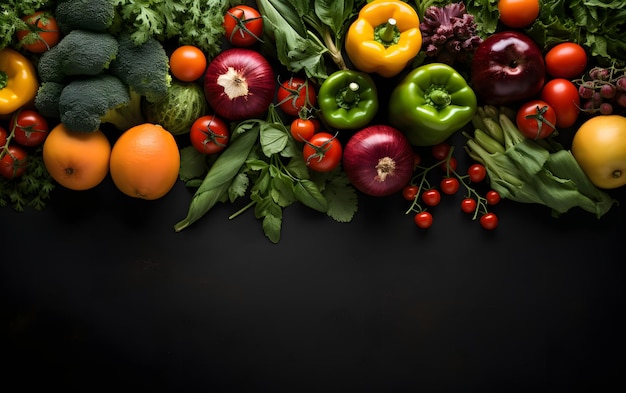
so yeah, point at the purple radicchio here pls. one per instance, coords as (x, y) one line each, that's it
(449, 34)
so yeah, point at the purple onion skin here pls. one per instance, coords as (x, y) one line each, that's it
(365, 149)
(257, 72)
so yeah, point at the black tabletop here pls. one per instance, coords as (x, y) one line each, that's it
(99, 292)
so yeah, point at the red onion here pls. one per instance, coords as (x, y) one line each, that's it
(239, 84)
(378, 160)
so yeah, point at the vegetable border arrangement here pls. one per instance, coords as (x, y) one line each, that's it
(276, 102)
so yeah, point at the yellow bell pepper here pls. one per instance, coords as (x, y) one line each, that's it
(18, 81)
(384, 38)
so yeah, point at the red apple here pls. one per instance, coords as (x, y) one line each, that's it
(507, 67)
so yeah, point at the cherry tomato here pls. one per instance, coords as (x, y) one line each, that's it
(431, 197)
(449, 185)
(492, 197)
(31, 128)
(489, 221)
(13, 163)
(4, 135)
(536, 119)
(45, 27)
(468, 205)
(302, 129)
(209, 134)
(450, 164)
(417, 160)
(440, 151)
(187, 63)
(562, 95)
(322, 153)
(476, 173)
(295, 94)
(566, 60)
(423, 220)
(243, 25)
(518, 13)
(409, 192)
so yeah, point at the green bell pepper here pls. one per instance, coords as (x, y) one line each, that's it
(431, 103)
(348, 99)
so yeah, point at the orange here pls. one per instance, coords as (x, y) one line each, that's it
(76, 160)
(145, 161)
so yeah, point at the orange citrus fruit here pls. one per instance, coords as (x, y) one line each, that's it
(76, 160)
(145, 161)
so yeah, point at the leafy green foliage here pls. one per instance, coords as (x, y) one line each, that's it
(32, 189)
(266, 163)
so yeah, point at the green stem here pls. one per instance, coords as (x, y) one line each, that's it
(387, 32)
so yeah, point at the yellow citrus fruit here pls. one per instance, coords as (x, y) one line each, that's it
(599, 147)
(76, 160)
(145, 161)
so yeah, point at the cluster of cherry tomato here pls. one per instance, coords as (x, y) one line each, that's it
(26, 129)
(421, 191)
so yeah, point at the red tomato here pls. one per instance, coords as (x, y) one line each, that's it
(45, 27)
(31, 128)
(431, 197)
(209, 134)
(468, 205)
(562, 95)
(187, 63)
(409, 192)
(243, 25)
(518, 13)
(295, 94)
(4, 135)
(302, 129)
(536, 119)
(492, 197)
(566, 60)
(440, 151)
(322, 153)
(477, 173)
(13, 163)
(449, 185)
(423, 220)
(489, 221)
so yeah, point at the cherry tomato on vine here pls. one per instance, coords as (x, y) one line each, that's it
(31, 128)
(417, 160)
(449, 185)
(492, 197)
(13, 163)
(440, 151)
(451, 164)
(566, 60)
(45, 26)
(302, 129)
(209, 134)
(323, 152)
(468, 205)
(423, 220)
(187, 63)
(243, 25)
(295, 94)
(518, 13)
(489, 221)
(409, 192)
(562, 95)
(431, 197)
(536, 119)
(476, 173)
(4, 135)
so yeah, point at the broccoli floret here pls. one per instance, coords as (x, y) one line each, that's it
(80, 52)
(94, 15)
(145, 68)
(86, 103)
(47, 99)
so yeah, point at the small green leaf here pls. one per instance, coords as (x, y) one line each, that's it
(273, 138)
(309, 195)
(192, 164)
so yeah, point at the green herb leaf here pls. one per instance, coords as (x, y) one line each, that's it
(309, 195)
(272, 215)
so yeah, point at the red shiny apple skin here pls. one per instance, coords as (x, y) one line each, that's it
(508, 67)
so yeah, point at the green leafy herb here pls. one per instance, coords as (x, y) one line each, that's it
(11, 12)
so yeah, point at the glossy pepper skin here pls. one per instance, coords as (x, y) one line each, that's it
(348, 99)
(18, 81)
(374, 44)
(431, 103)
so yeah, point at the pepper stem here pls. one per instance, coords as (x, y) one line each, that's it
(387, 33)
(4, 80)
(349, 96)
(438, 97)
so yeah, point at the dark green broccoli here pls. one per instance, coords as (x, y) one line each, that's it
(94, 15)
(47, 99)
(80, 52)
(145, 68)
(84, 104)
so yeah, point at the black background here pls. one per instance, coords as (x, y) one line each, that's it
(98, 291)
